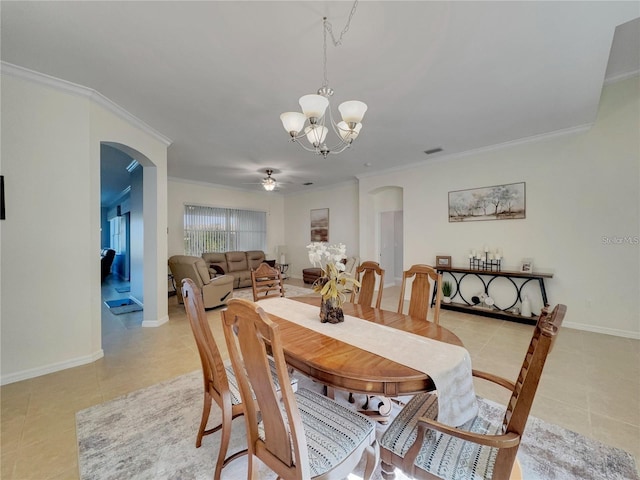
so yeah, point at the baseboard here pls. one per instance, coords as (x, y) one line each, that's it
(54, 367)
(155, 323)
(604, 330)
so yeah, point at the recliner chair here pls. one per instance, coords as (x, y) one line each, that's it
(215, 291)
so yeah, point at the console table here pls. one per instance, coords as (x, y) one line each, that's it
(517, 279)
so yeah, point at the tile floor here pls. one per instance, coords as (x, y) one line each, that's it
(591, 383)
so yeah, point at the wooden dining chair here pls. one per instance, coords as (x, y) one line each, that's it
(364, 294)
(266, 282)
(306, 435)
(220, 384)
(423, 278)
(483, 448)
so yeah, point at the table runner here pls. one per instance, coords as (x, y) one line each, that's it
(449, 366)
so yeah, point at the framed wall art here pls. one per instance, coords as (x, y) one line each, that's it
(320, 225)
(443, 261)
(500, 202)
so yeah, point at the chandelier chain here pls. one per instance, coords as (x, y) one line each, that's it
(329, 28)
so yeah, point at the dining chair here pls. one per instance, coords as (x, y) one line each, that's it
(266, 282)
(423, 278)
(364, 294)
(220, 384)
(483, 448)
(306, 435)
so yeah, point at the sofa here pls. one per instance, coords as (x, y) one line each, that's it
(106, 260)
(237, 264)
(216, 290)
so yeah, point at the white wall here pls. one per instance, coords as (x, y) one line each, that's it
(342, 202)
(50, 242)
(181, 192)
(580, 188)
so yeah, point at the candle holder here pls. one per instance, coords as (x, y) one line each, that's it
(485, 263)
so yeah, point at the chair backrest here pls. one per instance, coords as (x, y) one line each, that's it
(213, 369)
(420, 299)
(250, 334)
(266, 282)
(519, 406)
(542, 340)
(368, 284)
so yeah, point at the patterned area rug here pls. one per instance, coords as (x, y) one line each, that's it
(289, 291)
(150, 434)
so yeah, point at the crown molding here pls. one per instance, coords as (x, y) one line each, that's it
(490, 148)
(621, 77)
(82, 91)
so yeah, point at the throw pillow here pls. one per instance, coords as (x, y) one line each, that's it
(218, 269)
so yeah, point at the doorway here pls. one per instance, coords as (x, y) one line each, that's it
(391, 245)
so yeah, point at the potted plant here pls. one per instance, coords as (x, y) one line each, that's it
(446, 291)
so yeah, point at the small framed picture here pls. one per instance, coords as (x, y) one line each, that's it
(443, 261)
(526, 266)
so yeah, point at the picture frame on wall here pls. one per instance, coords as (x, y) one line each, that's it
(498, 202)
(443, 261)
(320, 225)
(526, 266)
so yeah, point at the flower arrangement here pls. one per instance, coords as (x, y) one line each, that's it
(334, 282)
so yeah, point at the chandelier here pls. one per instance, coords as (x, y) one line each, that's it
(311, 123)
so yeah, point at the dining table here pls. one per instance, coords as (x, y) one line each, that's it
(339, 364)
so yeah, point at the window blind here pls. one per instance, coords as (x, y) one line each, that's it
(213, 229)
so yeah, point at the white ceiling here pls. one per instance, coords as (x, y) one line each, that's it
(215, 76)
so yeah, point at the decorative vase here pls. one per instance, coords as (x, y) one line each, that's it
(331, 311)
(446, 299)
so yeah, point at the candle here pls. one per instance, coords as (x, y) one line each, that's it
(486, 249)
(498, 257)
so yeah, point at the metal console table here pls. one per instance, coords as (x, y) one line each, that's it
(487, 277)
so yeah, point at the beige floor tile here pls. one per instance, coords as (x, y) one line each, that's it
(615, 402)
(565, 414)
(616, 433)
(55, 454)
(7, 463)
(11, 432)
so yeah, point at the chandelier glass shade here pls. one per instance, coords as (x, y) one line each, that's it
(312, 125)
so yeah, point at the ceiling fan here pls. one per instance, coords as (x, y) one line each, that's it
(269, 183)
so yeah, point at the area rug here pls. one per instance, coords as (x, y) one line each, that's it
(289, 292)
(150, 434)
(122, 305)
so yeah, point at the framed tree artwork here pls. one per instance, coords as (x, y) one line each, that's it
(320, 225)
(499, 202)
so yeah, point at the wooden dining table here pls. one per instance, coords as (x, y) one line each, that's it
(343, 366)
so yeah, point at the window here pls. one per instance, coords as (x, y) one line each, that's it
(117, 230)
(211, 229)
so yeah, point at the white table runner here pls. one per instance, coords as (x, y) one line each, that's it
(449, 366)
